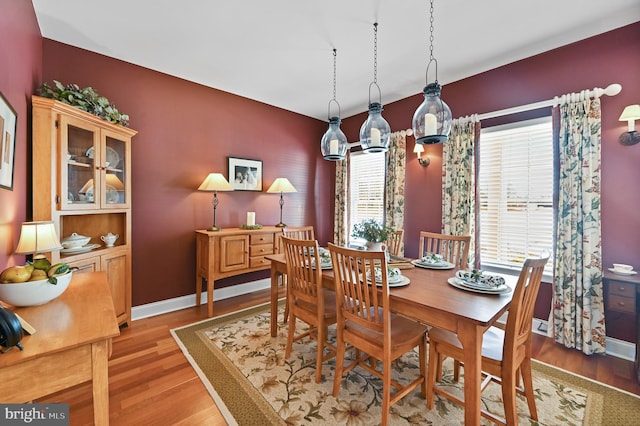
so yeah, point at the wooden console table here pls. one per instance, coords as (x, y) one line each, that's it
(230, 252)
(71, 345)
(623, 295)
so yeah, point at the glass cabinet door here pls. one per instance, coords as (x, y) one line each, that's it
(115, 166)
(79, 152)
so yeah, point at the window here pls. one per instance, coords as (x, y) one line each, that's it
(515, 194)
(366, 189)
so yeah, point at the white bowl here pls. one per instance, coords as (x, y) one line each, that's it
(33, 293)
(622, 267)
(75, 241)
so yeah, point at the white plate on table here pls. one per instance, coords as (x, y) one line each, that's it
(397, 281)
(440, 265)
(458, 283)
(619, 272)
(78, 250)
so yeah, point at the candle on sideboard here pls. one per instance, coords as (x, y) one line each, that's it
(333, 147)
(430, 124)
(251, 218)
(375, 137)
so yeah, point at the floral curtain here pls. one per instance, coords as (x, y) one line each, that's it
(459, 182)
(394, 182)
(578, 307)
(340, 220)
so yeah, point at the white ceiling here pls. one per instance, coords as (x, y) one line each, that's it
(280, 52)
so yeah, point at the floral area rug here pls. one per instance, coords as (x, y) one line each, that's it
(252, 383)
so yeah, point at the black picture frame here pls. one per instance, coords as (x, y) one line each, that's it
(8, 127)
(245, 174)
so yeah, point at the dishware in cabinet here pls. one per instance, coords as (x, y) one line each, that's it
(94, 166)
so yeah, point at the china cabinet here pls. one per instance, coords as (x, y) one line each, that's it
(82, 182)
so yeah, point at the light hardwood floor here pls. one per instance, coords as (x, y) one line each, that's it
(151, 382)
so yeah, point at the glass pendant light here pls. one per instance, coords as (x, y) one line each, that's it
(432, 120)
(334, 143)
(375, 132)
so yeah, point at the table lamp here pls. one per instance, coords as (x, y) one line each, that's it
(215, 182)
(281, 185)
(38, 238)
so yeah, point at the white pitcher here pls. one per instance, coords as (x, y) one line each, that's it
(109, 239)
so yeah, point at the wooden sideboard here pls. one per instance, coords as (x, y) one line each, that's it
(623, 295)
(229, 252)
(71, 345)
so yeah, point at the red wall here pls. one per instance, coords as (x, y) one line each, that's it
(595, 62)
(185, 132)
(20, 71)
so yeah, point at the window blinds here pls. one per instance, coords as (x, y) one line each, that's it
(515, 190)
(366, 187)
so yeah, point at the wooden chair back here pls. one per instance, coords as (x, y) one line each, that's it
(520, 318)
(296, 233)
(304, 280)
(394, 242)
(357, 300)
(453, 248)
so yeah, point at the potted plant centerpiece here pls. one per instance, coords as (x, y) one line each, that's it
(374, 232)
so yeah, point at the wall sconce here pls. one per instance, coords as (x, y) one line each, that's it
(630, 114)
(419, 149)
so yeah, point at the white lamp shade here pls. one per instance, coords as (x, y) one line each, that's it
(281, 185)
(631, 112)
(418, 148)
(215, 182)
(38, 237)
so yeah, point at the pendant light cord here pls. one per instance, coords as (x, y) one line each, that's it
(335, 55)
(431, 57)
(375, 64)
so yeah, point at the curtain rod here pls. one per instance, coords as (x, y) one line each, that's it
(611, 90)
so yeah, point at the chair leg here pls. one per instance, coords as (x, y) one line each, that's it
(509, 396)
(386, 391)
(434, 366)
(321, 338)
(290, 336)
(525, 371)
(422, 353)
(337, 378)
(286, 297)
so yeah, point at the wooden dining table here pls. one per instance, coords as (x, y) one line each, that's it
(430, 299)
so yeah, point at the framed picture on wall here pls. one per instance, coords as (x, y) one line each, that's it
(245, 174)
(8, 125)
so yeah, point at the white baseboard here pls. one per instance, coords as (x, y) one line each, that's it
(183, 302)
(615, 347)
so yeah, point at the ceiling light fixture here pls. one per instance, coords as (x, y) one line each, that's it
(375, 131)
(432, 120)
(334, 143)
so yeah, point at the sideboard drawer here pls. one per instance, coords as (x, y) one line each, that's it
(261, 239)
(257, 262)
(260, 250)
(621, 304)
(622, 289)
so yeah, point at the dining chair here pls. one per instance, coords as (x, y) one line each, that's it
(394, 242)
(366, 323)
(505, 353)
(307, 299)
(453, 248)
(297, 233)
